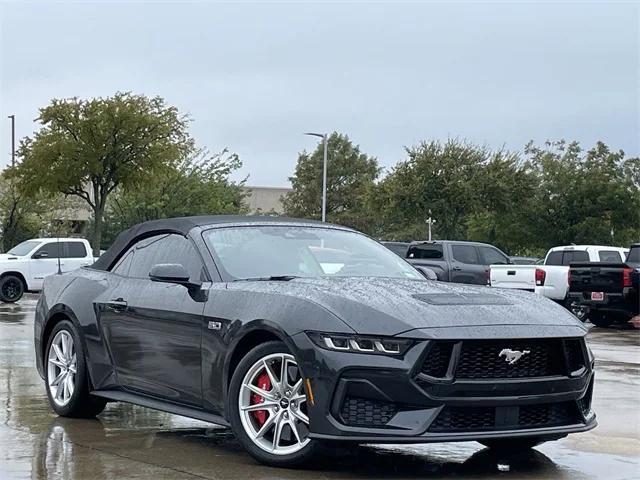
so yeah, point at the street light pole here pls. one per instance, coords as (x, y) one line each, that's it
(430, 221)
(324, 172)
(13, 140)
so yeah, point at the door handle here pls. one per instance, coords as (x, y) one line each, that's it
(456, 268)
(117, 305)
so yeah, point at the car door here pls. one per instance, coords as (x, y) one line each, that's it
(44, 262)
(467, 265)
(153, 329)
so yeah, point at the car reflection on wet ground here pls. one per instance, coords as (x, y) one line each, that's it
(134, 442)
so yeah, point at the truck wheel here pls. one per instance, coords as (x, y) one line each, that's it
(600, 319)
(11, 288)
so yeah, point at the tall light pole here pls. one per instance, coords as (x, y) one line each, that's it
(324, 173)
(13, 139)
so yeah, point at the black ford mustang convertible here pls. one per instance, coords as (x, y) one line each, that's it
(294, 333)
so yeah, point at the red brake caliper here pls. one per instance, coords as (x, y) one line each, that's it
(265, 384)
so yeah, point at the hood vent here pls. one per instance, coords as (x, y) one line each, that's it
(460, 299)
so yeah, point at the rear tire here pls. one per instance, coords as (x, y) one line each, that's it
(253, 428)
(512, 444)
(66, 376)
(11, 288)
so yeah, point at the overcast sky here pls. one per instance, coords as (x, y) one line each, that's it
(255, 76)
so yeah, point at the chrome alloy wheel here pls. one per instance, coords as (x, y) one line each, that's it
(273, 405)
(62, 368)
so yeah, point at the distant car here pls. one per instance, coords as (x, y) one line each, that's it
(609, 291)
(525, 260)
(456, 261)
(399, 248)
(296, 333)
(24, 267)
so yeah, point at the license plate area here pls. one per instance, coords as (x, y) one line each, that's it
(597, 296)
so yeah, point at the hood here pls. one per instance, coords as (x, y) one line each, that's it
(6, 256)
(389, 306)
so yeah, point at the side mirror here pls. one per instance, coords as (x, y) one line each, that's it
(173, 273)
(426, 272)
(40, 255)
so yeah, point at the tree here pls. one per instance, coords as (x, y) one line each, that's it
(198, 185)
(88, 148)
(350, 178)
(590, 197)
(18, 214)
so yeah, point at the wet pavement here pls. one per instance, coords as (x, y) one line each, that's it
(129, 442)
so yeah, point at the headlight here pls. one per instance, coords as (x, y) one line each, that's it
(360, 344)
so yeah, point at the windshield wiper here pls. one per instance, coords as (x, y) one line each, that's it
(273, 278)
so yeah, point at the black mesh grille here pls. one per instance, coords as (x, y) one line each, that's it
(437, 361)
(488, 359)
(474, 419)
(363, 412)
(455, 419)
(550, 415)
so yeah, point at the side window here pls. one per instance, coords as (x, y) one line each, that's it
(122, 267)
(52, 250)
(609, 256)
(554, 258)
(74, 250)
(493, 257)
(165, 249)
(426, 251)
(465, 254)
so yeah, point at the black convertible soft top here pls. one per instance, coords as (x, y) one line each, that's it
(181, 226)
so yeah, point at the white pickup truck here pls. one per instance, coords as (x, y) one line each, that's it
(551, 279)
(24, 267)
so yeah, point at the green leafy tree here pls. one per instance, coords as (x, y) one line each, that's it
(88, 148)
(590, 197)
(198, 185)
(350, 178)
(18, 214)
(469, 190)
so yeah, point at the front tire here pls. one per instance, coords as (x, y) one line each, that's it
(267, 407)
(11, 288)
(66, 377)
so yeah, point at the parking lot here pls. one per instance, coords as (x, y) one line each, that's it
(133, 442)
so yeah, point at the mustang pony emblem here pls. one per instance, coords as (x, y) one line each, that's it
(512, 356)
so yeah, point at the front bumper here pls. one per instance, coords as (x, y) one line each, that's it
(386, 399)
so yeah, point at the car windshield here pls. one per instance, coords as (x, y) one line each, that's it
(23, 248)
(634, 255)
(262, 252)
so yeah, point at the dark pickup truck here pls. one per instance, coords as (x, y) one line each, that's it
(454, 261)
(610, 291)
